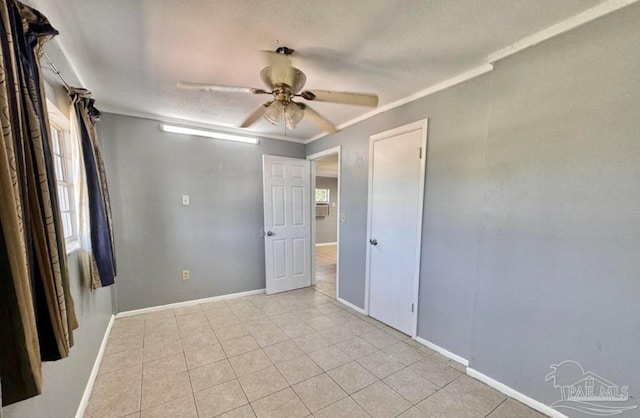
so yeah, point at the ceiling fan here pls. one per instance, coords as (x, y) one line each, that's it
(285, 82)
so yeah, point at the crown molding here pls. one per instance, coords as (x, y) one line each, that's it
(559, 28)
(460, 78)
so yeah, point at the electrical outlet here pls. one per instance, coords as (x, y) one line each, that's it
(185, 274)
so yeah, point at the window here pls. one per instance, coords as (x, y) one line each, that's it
(322, 196)
(60, 140)
(63, 180)
(322, 203)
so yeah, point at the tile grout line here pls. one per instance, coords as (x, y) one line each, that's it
(497, 406)
(193, 393)
(241, 388)
(144, 325)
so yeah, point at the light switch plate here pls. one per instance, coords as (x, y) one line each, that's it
(185, 200)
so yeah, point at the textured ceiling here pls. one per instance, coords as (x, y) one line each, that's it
(130, 53)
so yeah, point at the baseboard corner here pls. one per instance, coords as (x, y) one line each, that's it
(352, 306)
(443, 351)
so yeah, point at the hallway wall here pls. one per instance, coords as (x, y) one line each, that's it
(327, 226)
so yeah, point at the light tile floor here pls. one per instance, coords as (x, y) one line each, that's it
(326, 270)
(295, 354)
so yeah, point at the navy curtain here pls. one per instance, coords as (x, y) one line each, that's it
(103, 255)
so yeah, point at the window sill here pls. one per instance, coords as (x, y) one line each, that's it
(72, 246)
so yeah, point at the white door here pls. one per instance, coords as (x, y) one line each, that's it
(396, 183)
(287, 223)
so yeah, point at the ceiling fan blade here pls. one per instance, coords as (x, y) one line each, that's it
(190, 86)
(256, 115)
(344, 97)
(315, 117)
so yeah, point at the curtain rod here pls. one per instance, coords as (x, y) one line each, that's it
(55, 70)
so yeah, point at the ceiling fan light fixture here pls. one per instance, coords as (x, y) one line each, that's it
(292, 115)
(274, 112)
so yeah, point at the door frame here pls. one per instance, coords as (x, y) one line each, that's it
(418, 125)
(313, 157)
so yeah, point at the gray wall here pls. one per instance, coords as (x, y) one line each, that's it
(327, 227)
(455, 159)
(531, 227)
(558, 267)
(218, 237)
(65, 380)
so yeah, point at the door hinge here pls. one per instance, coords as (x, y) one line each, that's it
(420, 153)
(412, 306)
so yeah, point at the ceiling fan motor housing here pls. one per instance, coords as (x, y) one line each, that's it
(282, 94)
(291, 77)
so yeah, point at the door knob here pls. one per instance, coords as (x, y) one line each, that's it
(373, 241)
(270, 233)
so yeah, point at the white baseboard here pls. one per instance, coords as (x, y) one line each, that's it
(512, 393)
(325, 244)
(187, 303)
(352, 306)
(94, 371)
(443, 351)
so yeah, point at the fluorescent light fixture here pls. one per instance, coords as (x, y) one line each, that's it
(208, 134)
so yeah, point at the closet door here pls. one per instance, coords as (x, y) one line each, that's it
(396, 190)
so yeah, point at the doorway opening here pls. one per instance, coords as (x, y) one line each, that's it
(326, 226)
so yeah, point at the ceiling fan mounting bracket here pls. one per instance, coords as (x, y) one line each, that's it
(285, 51)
